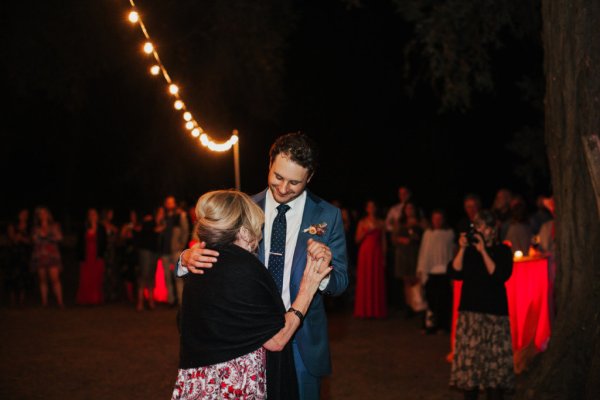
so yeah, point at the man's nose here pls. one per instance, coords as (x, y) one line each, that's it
(283, 188)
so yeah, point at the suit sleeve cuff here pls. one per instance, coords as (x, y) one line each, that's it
(181, 270)
(324, 283)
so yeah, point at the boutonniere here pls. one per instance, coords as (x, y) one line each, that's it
(316, 229)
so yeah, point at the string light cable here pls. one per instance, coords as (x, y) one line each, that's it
(158, 68)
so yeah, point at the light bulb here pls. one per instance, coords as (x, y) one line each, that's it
(155, 70)
(195, 132)
(173, 89)
(187, 116)
(148, 48)
(518, 254)
(189, 125)
(178, 104)
(134, 17)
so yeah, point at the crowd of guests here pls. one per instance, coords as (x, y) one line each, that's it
(401, 254)
(400, 258)
(115, 261)
(423, 254)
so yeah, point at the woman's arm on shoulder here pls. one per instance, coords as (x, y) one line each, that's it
(314, 272)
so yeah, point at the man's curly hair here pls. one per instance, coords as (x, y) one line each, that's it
(299, 147)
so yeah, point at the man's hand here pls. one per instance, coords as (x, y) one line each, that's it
(198, 257)
(318, 250)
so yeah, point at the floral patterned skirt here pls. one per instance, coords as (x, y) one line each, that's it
(241, 378)
(44, 256)
(483, 356)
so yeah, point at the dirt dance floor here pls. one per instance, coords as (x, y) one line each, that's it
(114, 352)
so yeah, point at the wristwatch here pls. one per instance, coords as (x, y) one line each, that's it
(298, 313)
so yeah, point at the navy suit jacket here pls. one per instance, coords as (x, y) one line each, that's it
(312, 337)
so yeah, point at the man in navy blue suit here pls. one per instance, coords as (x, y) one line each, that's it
(312, 227)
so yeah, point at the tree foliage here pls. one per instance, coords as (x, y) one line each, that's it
(454, 41)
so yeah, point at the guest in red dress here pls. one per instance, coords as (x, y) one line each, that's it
(370, 297)
(91, 269)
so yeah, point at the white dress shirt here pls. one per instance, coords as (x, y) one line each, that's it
(435, 252)
(393, 216)
(293, 220)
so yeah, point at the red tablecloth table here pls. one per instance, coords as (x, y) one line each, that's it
(529, 304)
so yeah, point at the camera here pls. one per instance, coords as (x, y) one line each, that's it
(472, 235)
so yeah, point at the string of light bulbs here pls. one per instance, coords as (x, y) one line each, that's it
(158, 68)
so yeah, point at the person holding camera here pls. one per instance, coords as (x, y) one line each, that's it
(483, 357)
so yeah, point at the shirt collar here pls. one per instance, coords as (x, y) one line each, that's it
(270, 202)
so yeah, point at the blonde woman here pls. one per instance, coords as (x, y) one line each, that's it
(234, 327)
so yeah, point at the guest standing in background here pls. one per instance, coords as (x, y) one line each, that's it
(471, 206)
(174, 239)
(91, 246)
(18, 277)
(540, 216)
(407, 239)
(501, 210)
(45, 258)
(483, 358)
(111, 277)
(129, 253)
(437, 249)
(147, 241)
(394, 213)
(370, 295)
(518, 233)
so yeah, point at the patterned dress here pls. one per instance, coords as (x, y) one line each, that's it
(241, 378)
(45, 248)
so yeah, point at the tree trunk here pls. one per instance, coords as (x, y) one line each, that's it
(570, 367)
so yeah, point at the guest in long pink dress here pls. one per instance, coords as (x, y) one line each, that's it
(91, 269)
(370, 295)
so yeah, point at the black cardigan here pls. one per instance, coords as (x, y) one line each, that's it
(231, 310)
(482, 292)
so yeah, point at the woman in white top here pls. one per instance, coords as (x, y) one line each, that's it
(436, 251)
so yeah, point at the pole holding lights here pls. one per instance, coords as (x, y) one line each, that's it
(191, 124)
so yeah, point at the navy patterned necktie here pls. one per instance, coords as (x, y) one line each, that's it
(277, 251)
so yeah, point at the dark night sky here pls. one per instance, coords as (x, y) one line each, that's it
(86, 125)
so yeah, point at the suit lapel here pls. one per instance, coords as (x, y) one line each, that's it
(312, 211)
(260, 200)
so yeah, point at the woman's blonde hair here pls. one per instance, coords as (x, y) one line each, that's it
(222, 213)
